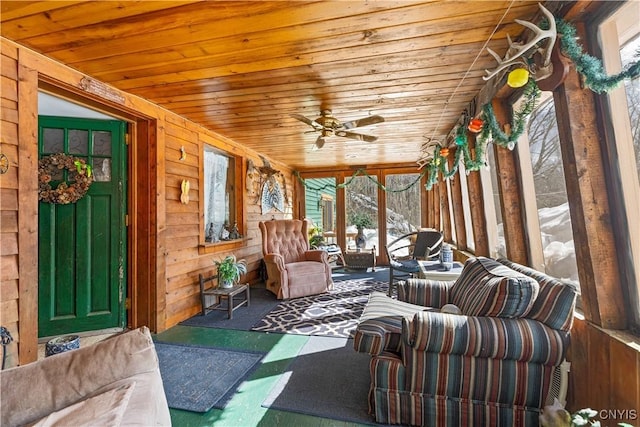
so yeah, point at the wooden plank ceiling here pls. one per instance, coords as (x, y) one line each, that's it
(241, 68)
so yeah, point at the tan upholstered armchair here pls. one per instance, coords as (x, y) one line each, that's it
(293, 270)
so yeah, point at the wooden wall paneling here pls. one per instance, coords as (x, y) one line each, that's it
(28, 212)
(477, 208)
(602, 296)
(605, 370)
(512, 197)
(458, 213)
(623, 363)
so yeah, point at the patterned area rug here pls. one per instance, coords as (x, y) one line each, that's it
(333, 314)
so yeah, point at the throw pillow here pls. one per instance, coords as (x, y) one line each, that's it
(490, 289)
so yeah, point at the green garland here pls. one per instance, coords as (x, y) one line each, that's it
(490, 132)
(355, 174)
(595, 77)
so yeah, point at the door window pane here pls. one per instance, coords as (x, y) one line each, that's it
(101, 143)
(78, 141)
(101, 169)
(52, 140)
(551, 194)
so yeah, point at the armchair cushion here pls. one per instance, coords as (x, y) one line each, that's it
(489, 288)
(485, 337)
(556, 301)
(380, 325)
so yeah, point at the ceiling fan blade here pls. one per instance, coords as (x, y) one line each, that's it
(306, 120)
(358, 136)
(320, 142)
(366, 121)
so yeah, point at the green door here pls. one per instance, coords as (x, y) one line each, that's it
(82, 245)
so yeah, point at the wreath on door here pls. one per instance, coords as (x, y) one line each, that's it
(79, 179)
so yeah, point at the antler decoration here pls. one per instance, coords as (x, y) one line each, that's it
(517, 51)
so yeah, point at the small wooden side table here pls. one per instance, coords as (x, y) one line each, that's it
(222, 294)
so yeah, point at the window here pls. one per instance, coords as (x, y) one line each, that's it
(551, 194)
(499, 248)
(466, 207)
(326, 209)
(320, 206)
(221, 219)
(452, 219)
(621, 36)
(403, 207)
(361, 200)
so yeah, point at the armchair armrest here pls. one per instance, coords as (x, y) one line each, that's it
(317, 255)
(274, 259)
(428, 293)
(524, 340)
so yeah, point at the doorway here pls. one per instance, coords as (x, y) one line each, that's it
(82, 251)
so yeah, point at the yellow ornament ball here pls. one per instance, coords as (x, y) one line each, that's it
(518, 77)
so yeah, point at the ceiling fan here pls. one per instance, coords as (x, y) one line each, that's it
(328, 125)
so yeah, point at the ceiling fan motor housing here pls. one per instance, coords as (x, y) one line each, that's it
(327, 121)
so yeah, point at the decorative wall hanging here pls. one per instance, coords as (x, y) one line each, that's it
(546, 62)
(79, 179)
(4, 164)
(183, 153)
(272, 197)
(185, 186)
(259, 176)
(529, 55)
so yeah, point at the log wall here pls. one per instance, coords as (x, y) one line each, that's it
(164, 286)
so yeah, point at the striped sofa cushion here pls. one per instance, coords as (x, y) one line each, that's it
(380, 325)
(488, 288)
(556, 301)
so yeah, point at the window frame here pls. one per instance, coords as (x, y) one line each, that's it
(239, 165)
(620, 164)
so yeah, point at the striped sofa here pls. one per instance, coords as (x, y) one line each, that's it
(490, 365)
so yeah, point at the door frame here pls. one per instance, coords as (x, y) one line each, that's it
(143, 305)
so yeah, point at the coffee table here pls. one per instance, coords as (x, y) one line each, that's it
(432, 270)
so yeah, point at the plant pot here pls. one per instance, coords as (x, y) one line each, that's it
(62, 344)
(226, 284)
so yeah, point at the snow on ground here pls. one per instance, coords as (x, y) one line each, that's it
(557, 242)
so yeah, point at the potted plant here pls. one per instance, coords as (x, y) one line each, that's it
(361, 221)
(316, 239)
(230, 270)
